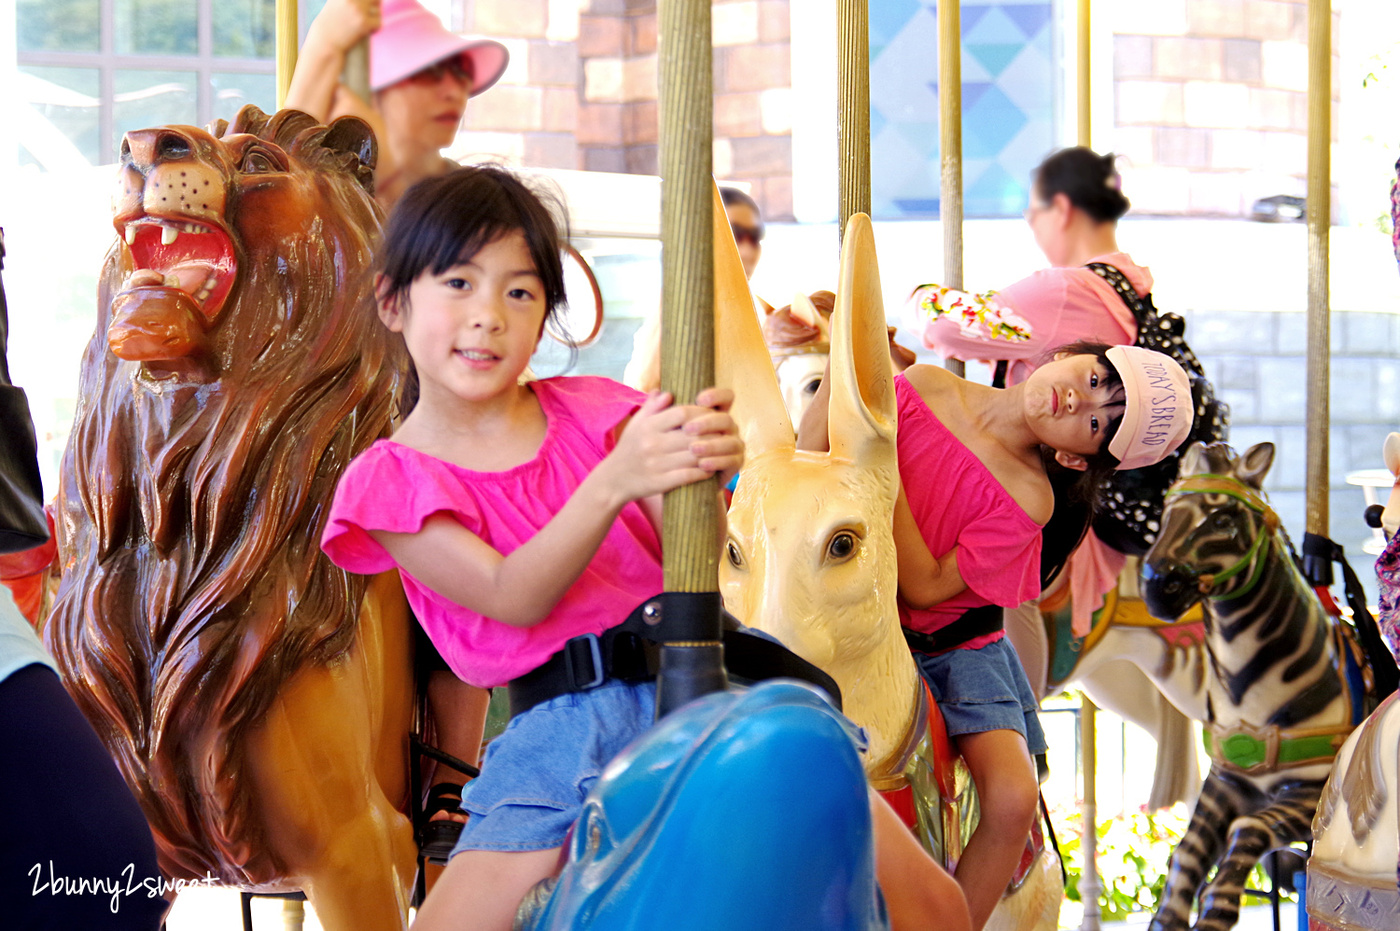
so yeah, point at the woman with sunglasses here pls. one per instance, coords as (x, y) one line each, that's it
(421, 76)
(746, 221)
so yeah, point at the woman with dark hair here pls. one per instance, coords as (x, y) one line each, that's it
(1075, 204)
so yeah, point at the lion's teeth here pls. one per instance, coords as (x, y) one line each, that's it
(168, 234)
(171, 281)
(130, 233)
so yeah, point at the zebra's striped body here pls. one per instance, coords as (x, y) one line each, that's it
(1278, 703)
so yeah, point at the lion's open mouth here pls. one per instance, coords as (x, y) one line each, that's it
(193, 257)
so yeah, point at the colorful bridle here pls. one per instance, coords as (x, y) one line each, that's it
(1210, 484)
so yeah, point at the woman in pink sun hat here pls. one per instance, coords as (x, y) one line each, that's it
(420, 78)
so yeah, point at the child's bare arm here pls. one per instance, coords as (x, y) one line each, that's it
(658, 451)
(918, 892)
(924, 579)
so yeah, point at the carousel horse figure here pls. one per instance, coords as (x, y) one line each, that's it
(1145, 670)
(810, 559)
(1287, 682)
(257, 699)
(1354, 871)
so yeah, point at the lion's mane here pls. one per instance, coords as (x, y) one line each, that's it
(190, 512)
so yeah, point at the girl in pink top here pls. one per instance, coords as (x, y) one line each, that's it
(520, 515)
(1076, 202)
(523, 517)
(967, 535)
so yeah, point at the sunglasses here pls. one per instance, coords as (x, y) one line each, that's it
(753, 234)
(459, 67)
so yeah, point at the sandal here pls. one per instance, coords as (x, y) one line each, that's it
(436, 839)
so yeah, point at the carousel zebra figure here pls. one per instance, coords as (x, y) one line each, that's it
(1287, 683)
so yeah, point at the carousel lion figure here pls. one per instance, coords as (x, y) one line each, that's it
(256, 698)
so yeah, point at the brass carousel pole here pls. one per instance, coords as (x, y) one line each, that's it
(950, 203)
(1090, 884)
(692, 665)
(1318, 566)
(853, 108)
(288, 34)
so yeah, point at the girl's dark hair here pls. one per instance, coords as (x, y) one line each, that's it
(1090, 181)
(1103, 463)
(445, 220)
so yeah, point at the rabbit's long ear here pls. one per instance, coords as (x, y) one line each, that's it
(863, 410)
(742, 362)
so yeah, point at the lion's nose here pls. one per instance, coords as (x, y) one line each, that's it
(146, 148)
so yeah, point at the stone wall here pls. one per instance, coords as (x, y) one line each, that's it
(581, 91)
(1258, 363)
(1211, 102)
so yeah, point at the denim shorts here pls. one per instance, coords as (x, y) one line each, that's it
(537, 773)
(984, 690)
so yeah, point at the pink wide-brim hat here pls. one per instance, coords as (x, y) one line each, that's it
(1158, 408)
(410, 38)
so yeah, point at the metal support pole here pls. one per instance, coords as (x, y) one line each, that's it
(853, 108)
(690, 524)
(288, 34)
(950, 203)
(1090, 885)
(1319, 230)
(1085, 95)
(355, 74)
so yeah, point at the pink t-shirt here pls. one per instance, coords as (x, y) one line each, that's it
(956, 501)
(1061, 304)
(395, 488)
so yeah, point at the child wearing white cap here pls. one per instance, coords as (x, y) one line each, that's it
(975, 497)
(420, 77)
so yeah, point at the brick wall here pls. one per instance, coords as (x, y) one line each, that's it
(1211, 102)
(581, 90)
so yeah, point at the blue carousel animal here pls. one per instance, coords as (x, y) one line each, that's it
(742, 810)
(1287, 683)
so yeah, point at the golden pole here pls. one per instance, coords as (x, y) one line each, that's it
(1086, 138)
(687, 271)
(692, 656)
(288, 33)
(853, 108)
(355, 74)
(1090, 883)
(950, 209)
(1319, 231)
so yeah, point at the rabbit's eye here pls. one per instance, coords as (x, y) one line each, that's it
(842, 546)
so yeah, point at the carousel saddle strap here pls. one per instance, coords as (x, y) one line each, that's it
(631, 652)
(974, 623)
(1260, 750)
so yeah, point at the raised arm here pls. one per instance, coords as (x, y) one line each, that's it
(315, 87)
(662, 447)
